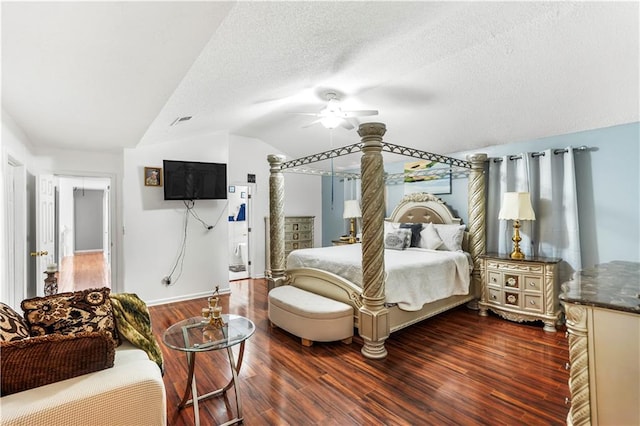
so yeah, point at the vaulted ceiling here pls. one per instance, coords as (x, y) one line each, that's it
(444, 76)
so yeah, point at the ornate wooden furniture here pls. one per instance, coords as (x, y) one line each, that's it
(375, 320)
(520, 290)
(298, 233)
(602, 307)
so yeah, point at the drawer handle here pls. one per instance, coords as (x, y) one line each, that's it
(494, 297)
(567, 401)
(494, 280)
(532, 302)
(567, 366)
(532, 284)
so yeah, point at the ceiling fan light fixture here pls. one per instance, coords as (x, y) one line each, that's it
(330, 121)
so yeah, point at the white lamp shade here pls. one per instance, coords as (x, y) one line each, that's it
(516, 206)
(351, 209)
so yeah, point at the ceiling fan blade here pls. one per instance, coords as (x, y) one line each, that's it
(312, 123)
(314, 114)
(347, 125)
(361, 113)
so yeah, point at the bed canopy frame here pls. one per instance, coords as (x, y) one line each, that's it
(373, 316)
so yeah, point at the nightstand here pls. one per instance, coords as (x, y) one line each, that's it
(342, 242)
(520, 290)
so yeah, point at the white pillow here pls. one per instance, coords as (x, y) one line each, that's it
(429, 237)
(451, 236)
(390, 227)
(399, 239)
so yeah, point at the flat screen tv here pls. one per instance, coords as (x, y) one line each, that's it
(193, 180)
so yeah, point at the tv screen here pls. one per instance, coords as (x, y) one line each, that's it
(193, 180)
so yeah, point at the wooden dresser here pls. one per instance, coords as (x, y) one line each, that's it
(602, 306)
(298, 233)
(520, 290)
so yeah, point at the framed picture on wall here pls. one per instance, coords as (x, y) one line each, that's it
(153, 176)
(427, 176)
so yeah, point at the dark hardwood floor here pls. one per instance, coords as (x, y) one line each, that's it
(454, 369)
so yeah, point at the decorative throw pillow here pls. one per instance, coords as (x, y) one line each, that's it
(12, 326)
(451, 235)
(38, 361)
(429, 237)
(416, 228)
(73, 312)
(398, 240)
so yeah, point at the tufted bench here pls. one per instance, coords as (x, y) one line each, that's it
(310, 316)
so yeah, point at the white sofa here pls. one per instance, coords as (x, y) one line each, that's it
(132, 393)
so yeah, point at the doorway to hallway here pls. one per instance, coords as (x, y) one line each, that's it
(239, 229)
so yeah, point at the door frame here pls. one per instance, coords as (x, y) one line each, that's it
(251, 188)
(112, 217)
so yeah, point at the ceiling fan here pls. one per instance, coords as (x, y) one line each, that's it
(333, 116)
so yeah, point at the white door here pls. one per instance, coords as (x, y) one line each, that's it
(45, 229)
(14, 288)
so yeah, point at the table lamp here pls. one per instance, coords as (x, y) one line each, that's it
(516, 206)
(352, 212)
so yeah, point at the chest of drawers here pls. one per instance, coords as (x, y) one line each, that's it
(520, 290)
(298, 233)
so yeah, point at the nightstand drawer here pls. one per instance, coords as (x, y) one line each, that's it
(495, 278)
(533, 303)
(495, 296)
(533, 283)
(512, 281)
(512, 298)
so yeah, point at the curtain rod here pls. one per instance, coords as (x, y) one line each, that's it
(541, 153)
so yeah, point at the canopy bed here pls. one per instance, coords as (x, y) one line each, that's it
(376, 316)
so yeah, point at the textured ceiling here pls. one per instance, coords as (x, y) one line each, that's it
(445, 76)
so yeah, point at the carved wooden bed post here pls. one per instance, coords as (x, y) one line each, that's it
(276, 221)
(477, 222)
(373, 316)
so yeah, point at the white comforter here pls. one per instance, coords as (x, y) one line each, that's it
(414, 276)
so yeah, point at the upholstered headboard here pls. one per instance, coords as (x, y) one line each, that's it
(422, 207)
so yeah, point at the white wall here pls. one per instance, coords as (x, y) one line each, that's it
(303, 197)
(154, 228)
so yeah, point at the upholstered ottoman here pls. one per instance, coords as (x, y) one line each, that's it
(310, 316)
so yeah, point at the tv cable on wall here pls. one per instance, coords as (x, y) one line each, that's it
(189, 211)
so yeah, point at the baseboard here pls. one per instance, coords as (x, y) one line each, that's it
(184, 297)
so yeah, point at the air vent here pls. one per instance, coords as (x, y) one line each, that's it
(180, 120)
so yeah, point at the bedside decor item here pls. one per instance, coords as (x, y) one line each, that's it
(214, 312)
(352, 212)
(516, 206)
(152, 176)
(51, 282)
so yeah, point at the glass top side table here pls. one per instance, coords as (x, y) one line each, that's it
(195, 335)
